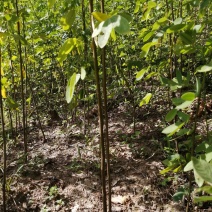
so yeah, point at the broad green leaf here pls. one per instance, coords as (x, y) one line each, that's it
(184, 105)
(173, 128)
(127, 16)
(188, 167)
(100, 16)
(68, 19)
(183, 116)
(137, 6)
(83, 73)
(66, 48)
(141, 73)
(162, 20)
(151, 4)
(207, 189)
(146, 47)
(178, 196)
(208, 156)
(148, 36)
(175, 28)
(204, 68)
(203, 169)
(199, 181)
(202, 199)
(146, 14)
(120, 24)
(113, 35)
(189, 96)
(187, 38)
(178, 21)
(146, 99)
(51, 3)
(103, 31)
(170, 115)
(71, 86)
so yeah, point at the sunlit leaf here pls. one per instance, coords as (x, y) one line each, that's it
(145, 100)
(184, 105)
(141, 73)
(189, 96)
(188, 167)
(71, 87)
(175, 28)
(66, 48)
(100, 16)
(68, 19)
(83, 73)
(204, 68)
(178, 21)
(203, 169)
(104, 29)
(137, 6)
(3, 93)
(173, 128)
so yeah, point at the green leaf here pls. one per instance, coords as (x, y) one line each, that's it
(151, 4)
(188, 167)
(202, 199)
(141, 73)
(100, 16)
(71, 86)
(199, 181)
(66, 48)
(183, 116)
(137, 6)
(189, 96)
(204, 68)
(170, 115)
(207, 189)
(177, 101)
(203, 169)
(83, 73)
(178, 196)
(146, 99)
(50, 3)
(175, 28)
(146, 47)
(184, 105)
(162, 20)
(104, 29)
(173, 128)
(178, 21)
(68, 19)
(148, 36)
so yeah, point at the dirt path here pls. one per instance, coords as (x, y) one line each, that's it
(63, 173)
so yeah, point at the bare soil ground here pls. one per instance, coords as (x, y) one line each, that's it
(63, 173)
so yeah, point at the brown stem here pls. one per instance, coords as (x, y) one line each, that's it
(98, 90)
